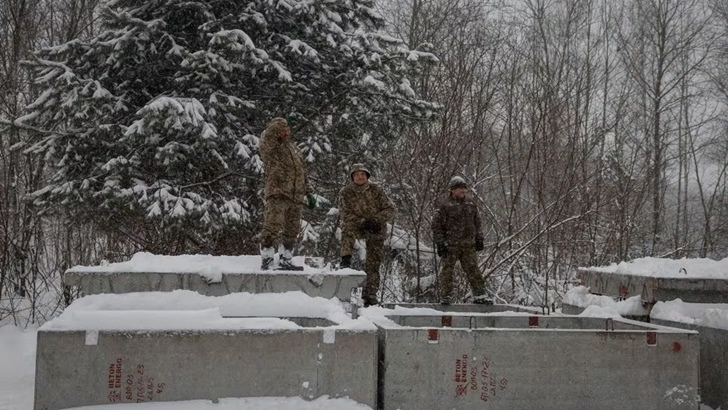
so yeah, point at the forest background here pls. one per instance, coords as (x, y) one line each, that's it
(589, 132)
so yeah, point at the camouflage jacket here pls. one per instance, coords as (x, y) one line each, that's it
(285, 174)
(368, 201)
(456, 222)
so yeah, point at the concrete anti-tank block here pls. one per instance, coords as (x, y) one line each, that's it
(82, 368)
(521, 361)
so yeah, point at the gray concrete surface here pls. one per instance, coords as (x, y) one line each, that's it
(323, 285)
(654, 289)
(536, 362)
(469, 307)
(77, 368)
(713, 363)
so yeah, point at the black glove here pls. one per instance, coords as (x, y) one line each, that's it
(370, 225)
(479, 246)
(311, 201)
(441, 249)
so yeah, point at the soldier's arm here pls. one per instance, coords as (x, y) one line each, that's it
(304, 167)
(276, 173)
(386, 207)
(438, 228)
(478, 224)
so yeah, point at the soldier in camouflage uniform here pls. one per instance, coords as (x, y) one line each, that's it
(286, 186)
(458, 236)
(364, 209)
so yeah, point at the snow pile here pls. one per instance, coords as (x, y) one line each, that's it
(580, 297)
(187, 310)
(713, 315)
(209, 266)
(698, 268)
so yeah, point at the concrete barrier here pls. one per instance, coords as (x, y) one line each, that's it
(535, 362)
(713, 362)
(313, 284)
(81, 368)
(653, 289)
(469, 307)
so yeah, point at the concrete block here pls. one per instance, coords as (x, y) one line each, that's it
(315, 284)
(713, 362)
(654, 289)
(468, 307)
(535, 362)
(82, 368)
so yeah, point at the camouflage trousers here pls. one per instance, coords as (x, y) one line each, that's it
(469, 262)
(375, 254)
(281, 222)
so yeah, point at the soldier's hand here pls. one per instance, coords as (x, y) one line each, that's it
(479, 246)
(370, 225)
(441, 249)
(311, 201)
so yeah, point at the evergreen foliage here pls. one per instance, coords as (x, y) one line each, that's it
(152, 126)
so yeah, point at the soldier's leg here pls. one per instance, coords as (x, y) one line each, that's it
(291, 223)
(291, 229)
(348, 237)
(273, 216)
(469, 263)
(375, 254)
(446, 274)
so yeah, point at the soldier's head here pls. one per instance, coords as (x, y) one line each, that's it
(458, 187)
(278, 127)
(359, 174)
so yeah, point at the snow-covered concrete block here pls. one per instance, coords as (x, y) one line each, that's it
(211, 276)
(150, 347)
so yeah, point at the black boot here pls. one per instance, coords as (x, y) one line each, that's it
(286, 262)
(266, 257)
(345, 262)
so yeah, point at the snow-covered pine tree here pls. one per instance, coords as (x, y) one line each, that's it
(153, 125)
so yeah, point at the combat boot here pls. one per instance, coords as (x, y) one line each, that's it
(266, 257)
(286, 262)
(345, 262)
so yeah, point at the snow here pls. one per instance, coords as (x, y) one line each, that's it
(713, 315)
(700, 314)
(580, 297)
(700, 268)
(212, 267)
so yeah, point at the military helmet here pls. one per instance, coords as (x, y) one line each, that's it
(359, 167)
(457, 182)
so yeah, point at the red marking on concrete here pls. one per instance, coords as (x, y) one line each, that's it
(533, 321)
(432, 335)
(676, 347)
(461, 390)
(623, 291)
(651, 338)
(447, 321)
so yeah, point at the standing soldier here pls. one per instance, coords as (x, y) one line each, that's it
(458, 236)
(365, 210)
(286, 186)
